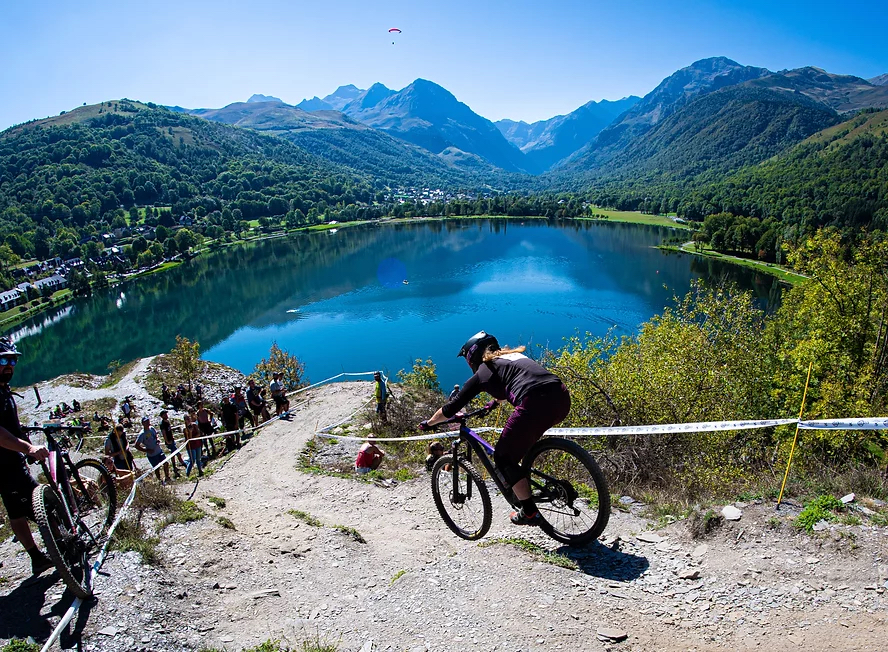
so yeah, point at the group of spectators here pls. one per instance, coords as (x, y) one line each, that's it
(200, 424)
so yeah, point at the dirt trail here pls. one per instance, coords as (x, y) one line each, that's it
(415, 586)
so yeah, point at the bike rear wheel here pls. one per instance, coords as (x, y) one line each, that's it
(64, 547)
(98, 506)
(464, 505)
(569, 489)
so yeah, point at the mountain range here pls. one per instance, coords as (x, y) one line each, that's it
(710, 118)
(713, 114)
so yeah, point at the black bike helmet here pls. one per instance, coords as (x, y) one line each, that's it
(474, 348)
(7, 347)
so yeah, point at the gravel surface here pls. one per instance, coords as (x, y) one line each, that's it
(756, 583)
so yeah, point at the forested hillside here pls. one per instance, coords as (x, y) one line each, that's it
(837, 177)
(66, 178)
(717, 133)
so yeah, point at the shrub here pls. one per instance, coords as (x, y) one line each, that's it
(702, 524)
(284, 362)
(819, 509)
(132, 535)
(423, 376)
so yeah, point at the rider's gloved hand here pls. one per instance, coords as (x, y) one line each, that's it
(424, 426)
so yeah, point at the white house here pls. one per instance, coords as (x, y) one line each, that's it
(10, 298)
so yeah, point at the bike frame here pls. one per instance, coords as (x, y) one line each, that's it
(57, 474)
(483, 449)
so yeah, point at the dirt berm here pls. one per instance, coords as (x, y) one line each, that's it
(757, 583)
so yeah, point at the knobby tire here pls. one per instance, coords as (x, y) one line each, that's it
(62, 546)
(98, 508)
(446, 504)
(580, 483)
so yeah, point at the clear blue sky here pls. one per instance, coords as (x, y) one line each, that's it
(517, 59)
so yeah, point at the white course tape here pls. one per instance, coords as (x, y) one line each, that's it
(672, 428)
(870, 423)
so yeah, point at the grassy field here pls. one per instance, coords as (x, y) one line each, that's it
(785, 275)
(634, 217)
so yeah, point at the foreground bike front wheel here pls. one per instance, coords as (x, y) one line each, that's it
(99, 502)
(569, 490)
(62, 545)
(465, 504)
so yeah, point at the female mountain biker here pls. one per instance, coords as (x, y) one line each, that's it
(540, 398)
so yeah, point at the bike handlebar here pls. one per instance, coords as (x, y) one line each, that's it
(461, 418)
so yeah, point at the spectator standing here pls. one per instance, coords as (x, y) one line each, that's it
(117, 448)
(148, 444)
(192, 434)
(243, 411)
(256, 401)
(279, 394)
(381, 395)
(229, 424)
(205, 425)
(454, 393)
(369, 457)
(166, 430)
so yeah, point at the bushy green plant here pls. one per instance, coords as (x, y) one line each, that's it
(280, 360)
(821, 508)
(423, 375)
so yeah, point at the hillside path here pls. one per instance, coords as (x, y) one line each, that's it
(415, 586)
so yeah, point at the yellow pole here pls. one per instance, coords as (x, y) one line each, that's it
(795, 439)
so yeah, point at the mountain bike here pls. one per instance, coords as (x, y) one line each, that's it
(566, 483)
(74, 508)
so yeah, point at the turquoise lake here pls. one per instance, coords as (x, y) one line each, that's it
(339, 302)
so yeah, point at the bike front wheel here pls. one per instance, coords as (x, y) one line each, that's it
(464, 504)
(63, 545)
(569, 490)
(99, 502)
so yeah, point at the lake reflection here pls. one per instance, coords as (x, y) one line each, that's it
(337, 302)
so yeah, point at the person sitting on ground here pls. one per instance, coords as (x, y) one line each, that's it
(243, 410)
(104, 422)
(75, 405)
(256, 402)
(228, 412)
(436, 450)
(118, 451)
(281, 402)
(195, 456)
(16, 482)
(381, 395)
(540, 398)
(369, 457)
(148, 444)
(205, 425)
(166, 430)
(167, 397)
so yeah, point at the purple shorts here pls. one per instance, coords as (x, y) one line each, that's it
(540, 410)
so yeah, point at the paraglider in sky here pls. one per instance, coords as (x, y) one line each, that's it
(394, 30)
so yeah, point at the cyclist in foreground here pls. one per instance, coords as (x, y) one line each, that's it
(540, 398)
(16, 483)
